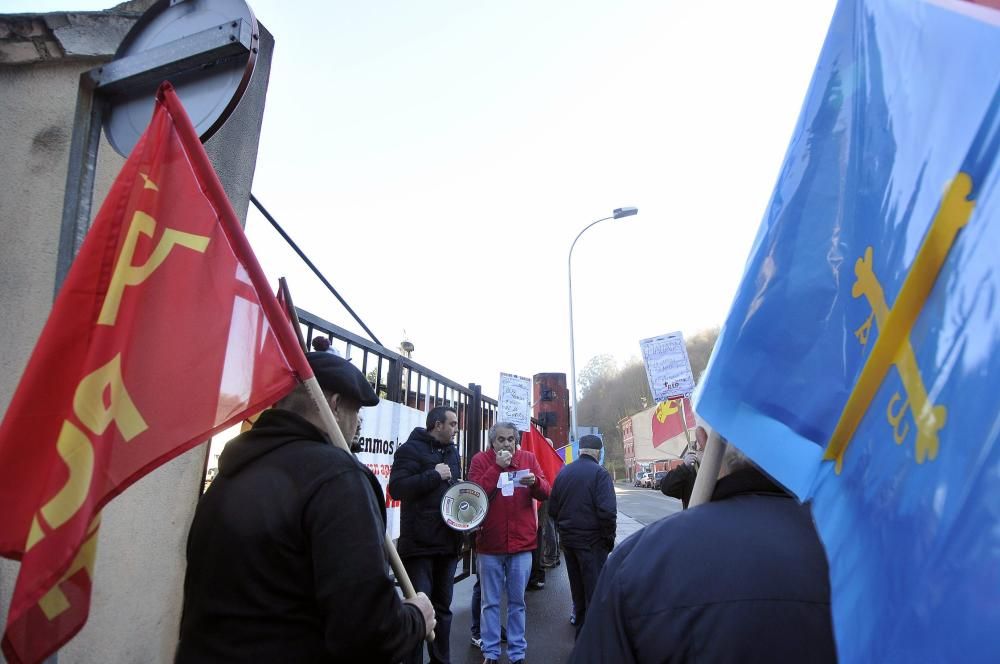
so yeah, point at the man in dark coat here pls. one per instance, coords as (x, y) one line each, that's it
(422, 470)
(742, 578)
(679, 482)
(585, 510)
(285, 554)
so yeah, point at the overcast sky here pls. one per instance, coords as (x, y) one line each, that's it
(437, 158)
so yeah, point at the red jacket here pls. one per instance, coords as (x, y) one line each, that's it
(511, 523)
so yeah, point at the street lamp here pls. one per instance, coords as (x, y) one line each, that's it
(618, 213)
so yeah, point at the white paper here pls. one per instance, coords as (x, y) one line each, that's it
(510, 480)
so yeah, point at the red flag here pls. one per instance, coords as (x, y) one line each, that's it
(164, 332)
(534, 442)
(667, 421)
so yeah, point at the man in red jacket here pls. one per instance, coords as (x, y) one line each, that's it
(513, 478)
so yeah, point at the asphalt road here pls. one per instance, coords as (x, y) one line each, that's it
(644, 505)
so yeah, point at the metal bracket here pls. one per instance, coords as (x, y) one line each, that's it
(203, 49)
(197, 51)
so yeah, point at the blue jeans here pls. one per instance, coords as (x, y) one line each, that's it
(498, 574)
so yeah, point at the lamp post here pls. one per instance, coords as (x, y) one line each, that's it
(618, 213)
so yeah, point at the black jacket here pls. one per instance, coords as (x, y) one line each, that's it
(679, 483)
(583, 504)
(414, 482)
(740, 579)
(286, 560)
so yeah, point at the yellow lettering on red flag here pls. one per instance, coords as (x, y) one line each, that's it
(88, 402)
(54, 603)
(76, 449)
(127, 274)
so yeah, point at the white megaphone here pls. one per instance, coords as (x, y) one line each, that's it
(464, 506)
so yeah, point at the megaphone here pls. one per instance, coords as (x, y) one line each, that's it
(464, 506)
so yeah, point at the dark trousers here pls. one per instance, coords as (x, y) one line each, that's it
(583, 567)
(476, 607)
(435, 577)
(537, 571)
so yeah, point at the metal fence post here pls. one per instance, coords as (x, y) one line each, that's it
(473, 426)
(394, 381)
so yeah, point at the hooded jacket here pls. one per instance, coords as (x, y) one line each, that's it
(419, 488)
(286, 560)
(511, 524)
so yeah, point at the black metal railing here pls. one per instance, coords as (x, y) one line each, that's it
(398, 378)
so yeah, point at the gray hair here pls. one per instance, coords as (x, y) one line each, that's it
(503, 425)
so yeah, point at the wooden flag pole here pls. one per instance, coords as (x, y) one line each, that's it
(708, 471)
(337, 438)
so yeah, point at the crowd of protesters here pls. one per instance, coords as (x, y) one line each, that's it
(286, 559)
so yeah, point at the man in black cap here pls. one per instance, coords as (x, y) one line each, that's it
(285, 554)
(585, 510)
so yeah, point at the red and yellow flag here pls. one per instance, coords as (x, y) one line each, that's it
(668, 422)
(164, 332)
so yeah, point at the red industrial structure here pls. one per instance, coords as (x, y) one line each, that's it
(551, 406)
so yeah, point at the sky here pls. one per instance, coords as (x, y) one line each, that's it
(436, 159)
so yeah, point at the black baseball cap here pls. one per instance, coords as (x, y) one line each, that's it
(337, 375)
(590, 442)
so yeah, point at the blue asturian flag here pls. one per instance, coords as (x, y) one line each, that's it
(860, 362)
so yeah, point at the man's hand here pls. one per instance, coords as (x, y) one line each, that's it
(504, 458)
(426, 610)
(444, 470)
(528, 479)
(691, 457)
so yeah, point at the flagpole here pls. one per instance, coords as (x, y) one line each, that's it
(684, 419)
(337, 438)
(708, 471)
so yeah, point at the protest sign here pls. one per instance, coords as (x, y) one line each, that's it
(667, 366)
(515, 401)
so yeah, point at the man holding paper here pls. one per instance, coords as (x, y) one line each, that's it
(507, 537)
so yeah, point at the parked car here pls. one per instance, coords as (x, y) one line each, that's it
(647, 480)
(638, 478)
(658, 478)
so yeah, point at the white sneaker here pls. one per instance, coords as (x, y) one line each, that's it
(478, 642)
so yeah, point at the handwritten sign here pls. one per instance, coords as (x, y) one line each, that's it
(667, 366)
(515, 401)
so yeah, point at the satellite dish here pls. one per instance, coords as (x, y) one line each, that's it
(209, 92)
(464, 506)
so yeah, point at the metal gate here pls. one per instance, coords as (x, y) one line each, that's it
(398, 378)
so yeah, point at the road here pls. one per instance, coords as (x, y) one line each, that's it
(644, 505)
